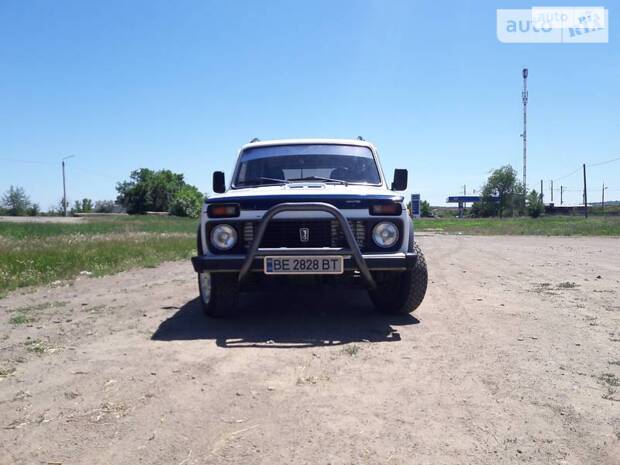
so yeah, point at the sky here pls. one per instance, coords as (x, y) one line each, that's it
(181, 85)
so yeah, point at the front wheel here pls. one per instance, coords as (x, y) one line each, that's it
(402, 293)
(218, 293)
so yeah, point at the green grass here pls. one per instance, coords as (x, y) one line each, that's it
(4, 372)
(567, 285)
(29, 314)
(35, 345)
(39, 253)
(545, 226)
(100, 225)
(609, 379)
(351, 350)
(21, 319)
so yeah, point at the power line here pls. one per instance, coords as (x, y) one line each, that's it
(36, 162)
(603, 162)
(567, 175)
(588, 166)
(91, 173)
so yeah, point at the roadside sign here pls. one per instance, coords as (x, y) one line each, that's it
(415, 205)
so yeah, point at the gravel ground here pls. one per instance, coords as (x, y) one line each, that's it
(514, 357)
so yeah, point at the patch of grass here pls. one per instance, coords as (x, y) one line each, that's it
(545, 226)
(24, 315)
(609, 379)
(95, 308)
(311, 379)
(4, 372)
(610, 395)
(39, 253)
(567, 285)
(21, 319)
(35, 346)
(544, 288)
(351, 350)
(611, 382)
(41, 306)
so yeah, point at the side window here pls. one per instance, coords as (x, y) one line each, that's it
(242, 171)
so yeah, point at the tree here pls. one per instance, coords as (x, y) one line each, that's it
(34, 210)
(149, 190)
(187, 202)
(502, 194)
(106, 206)
(425, 209)
(85, 206)
(57, 210)
(535, 206)
(15, 201)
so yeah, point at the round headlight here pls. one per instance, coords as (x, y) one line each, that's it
(223, 237)
(385, 234)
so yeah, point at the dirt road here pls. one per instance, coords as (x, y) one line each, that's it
(514, 357)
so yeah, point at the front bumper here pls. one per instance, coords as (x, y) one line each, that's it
(398, 261)
(352, 256)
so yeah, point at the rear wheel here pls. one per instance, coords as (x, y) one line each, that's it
(402, 293)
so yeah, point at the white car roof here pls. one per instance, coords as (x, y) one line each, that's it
(267, 143)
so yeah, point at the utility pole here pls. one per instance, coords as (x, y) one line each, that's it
(603, 198)
(541, 190)
(585, 191)
(64, 187)
(552, 191)
(561, 195)
(524, 135)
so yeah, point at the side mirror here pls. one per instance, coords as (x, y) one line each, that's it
(219, 182)
(400, 180)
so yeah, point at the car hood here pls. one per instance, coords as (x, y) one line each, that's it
(351, 196)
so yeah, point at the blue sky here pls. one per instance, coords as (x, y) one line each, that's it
(181, 85)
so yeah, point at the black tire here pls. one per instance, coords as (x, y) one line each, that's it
(199, 242)
(223, 297)
(224, 290)
(402, 293)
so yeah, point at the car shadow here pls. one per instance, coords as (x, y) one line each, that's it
(290, 320)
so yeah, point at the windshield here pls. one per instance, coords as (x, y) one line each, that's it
(328, 163)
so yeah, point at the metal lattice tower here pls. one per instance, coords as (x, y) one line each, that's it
(524, 135)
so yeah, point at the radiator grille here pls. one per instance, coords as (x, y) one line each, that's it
(357, 227)
(322, 233)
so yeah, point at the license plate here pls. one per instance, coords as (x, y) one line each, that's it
(304, 265)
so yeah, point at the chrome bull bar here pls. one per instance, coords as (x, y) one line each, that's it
(353, 250)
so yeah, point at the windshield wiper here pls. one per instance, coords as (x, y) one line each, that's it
(319, 178)
(284, 181)
(259, 181)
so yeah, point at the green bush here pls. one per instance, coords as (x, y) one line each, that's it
(15, 202)
(83, 206)
(106, 206)
(34, 210)
(149, 190)
(425, 209)
(535, 206)
(187, 202)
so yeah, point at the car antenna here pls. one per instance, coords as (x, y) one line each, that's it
(360, 138)
(256, 139)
